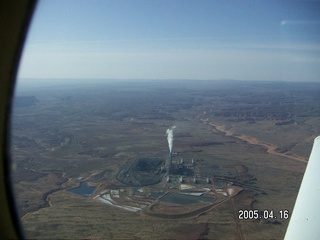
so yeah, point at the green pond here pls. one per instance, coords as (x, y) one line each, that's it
(185, 199)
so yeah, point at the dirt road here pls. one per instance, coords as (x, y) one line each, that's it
(271, 148)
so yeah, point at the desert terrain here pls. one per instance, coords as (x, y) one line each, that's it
(92, 160)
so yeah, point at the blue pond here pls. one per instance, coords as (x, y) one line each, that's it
(84, 190)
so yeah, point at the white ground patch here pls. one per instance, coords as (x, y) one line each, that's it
(106, 198)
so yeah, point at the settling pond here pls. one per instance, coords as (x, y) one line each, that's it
(84, 190)
(185, 199)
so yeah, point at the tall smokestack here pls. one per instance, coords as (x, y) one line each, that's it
(169, 133)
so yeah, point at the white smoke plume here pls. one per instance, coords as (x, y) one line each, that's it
(169, 133)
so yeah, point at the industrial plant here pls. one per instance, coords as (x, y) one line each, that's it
(168, 180)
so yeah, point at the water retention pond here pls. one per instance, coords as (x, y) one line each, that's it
(84, 190)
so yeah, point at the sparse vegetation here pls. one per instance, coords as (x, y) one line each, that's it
(91, 132)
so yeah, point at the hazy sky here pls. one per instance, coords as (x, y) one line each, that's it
(174, 39)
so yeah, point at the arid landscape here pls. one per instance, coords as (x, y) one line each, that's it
(92, 160)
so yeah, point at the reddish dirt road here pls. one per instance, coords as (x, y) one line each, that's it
(271, 148)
